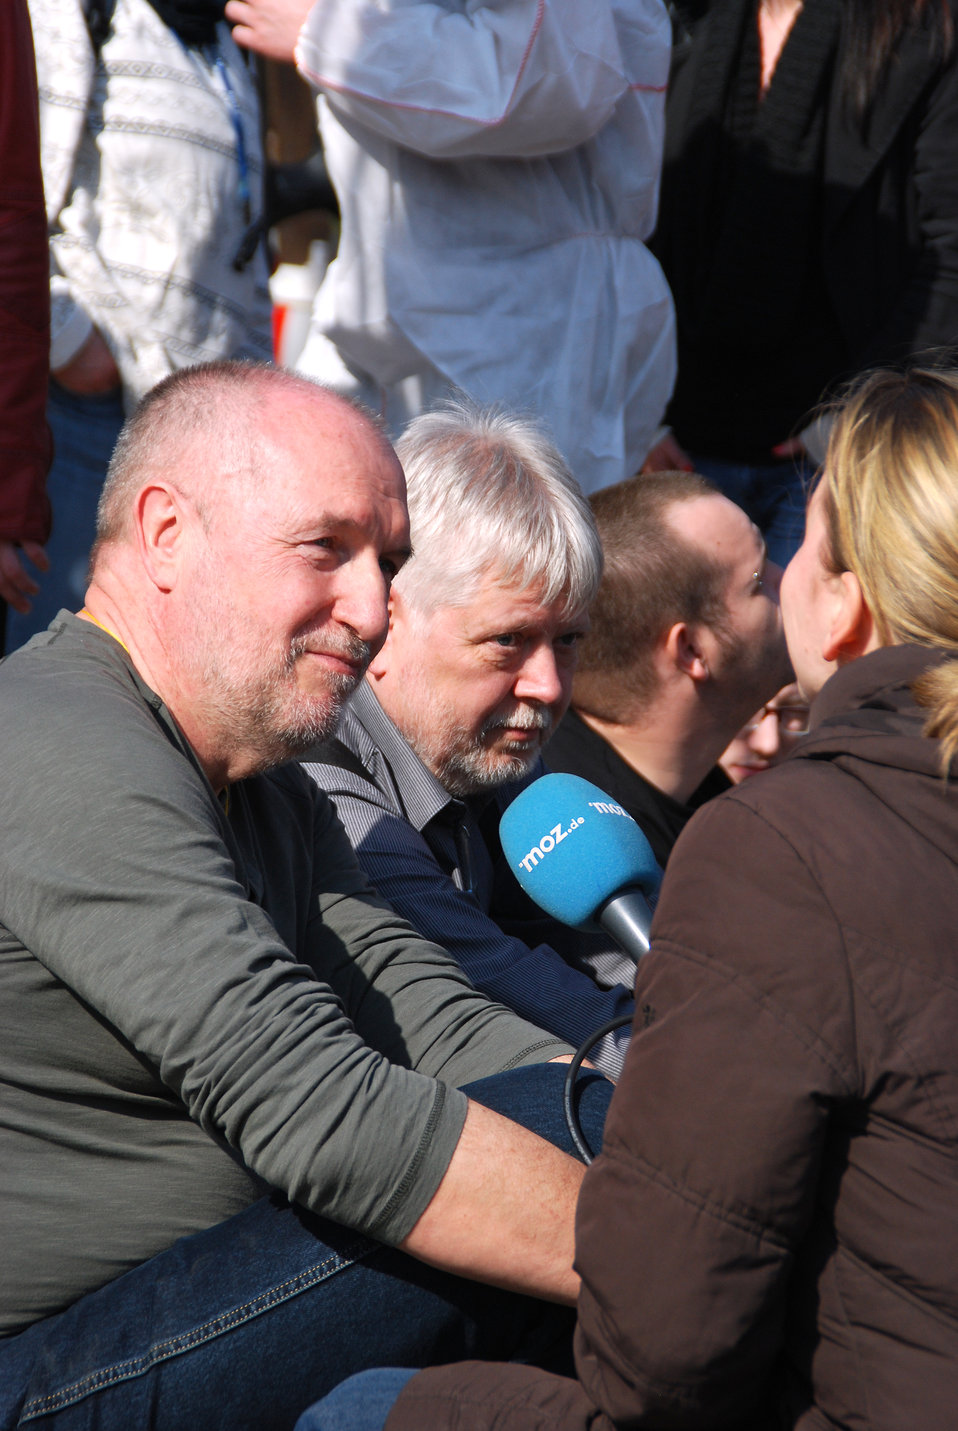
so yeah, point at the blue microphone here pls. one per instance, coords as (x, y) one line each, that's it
(582, 858)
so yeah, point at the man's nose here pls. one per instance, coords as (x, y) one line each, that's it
(539, 678)
(362, 599)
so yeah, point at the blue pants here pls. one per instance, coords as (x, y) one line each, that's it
(362, 1403)
(84, 430)
(245, 1324)
(773, 496)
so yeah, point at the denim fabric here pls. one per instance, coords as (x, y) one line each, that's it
(362, 1403)
(245, 1324)
(84, 430)
(773, 496)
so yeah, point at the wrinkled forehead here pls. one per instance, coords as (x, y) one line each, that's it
(318, 456)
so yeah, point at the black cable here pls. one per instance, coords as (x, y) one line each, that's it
(568, 1103)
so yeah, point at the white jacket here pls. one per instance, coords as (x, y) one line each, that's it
(497, 168)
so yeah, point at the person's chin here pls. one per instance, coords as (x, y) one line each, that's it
(313, 716)
(319, 687)
(738, 773)
(515, 764)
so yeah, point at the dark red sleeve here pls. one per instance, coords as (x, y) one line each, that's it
(25, 447)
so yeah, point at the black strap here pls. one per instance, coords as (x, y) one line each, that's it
(194, 21)
(99, 18)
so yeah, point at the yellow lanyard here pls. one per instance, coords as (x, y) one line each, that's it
(90, 617)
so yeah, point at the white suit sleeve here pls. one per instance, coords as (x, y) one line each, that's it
(510, 78)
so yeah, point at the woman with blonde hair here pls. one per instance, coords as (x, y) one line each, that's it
(889, 506)
(769, 1237)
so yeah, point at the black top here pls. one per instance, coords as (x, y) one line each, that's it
(740, 236)
(576, 749)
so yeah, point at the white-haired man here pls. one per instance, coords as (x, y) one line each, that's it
(474, 675)
(213, 1035)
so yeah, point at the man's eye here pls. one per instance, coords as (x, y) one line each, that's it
(388, 567)
(569, 639)
(506, 638)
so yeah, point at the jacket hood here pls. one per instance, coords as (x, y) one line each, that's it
(868, 708)
(867, 722)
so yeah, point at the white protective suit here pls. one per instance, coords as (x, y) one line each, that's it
(497, 169)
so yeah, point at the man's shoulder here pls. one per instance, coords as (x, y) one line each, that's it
(328, 762)
(66, 678)
(88, 746)
(577, 749)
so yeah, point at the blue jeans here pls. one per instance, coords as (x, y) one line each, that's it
(773, 496)
(245, 1324)
(362, 1403)
(84, 430)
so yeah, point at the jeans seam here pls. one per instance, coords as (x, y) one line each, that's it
(187, 1341)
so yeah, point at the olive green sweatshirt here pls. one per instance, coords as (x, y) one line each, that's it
(198, 1003)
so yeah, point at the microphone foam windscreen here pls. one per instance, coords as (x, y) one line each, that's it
(572, 847)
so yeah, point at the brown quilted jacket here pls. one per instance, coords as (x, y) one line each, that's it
(770, 1236)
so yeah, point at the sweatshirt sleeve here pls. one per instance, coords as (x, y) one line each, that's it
(509, 78)
(407, 996)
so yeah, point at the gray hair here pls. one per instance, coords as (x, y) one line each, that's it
(489, 493)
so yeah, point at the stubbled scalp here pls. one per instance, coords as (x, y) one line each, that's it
(204, 425)
(653, 577)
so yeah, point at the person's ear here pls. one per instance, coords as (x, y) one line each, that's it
(160, 521)
(851, 629)
(398, 620)
(686, 651)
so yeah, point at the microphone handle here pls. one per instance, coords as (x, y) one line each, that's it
(626, 916)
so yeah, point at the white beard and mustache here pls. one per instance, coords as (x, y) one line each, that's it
(470, 763)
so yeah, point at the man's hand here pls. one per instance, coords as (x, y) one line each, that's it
(505, 1211)
(270, 27)
(668, 456)
(791, 447)
(16, 584)
(90, 372)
